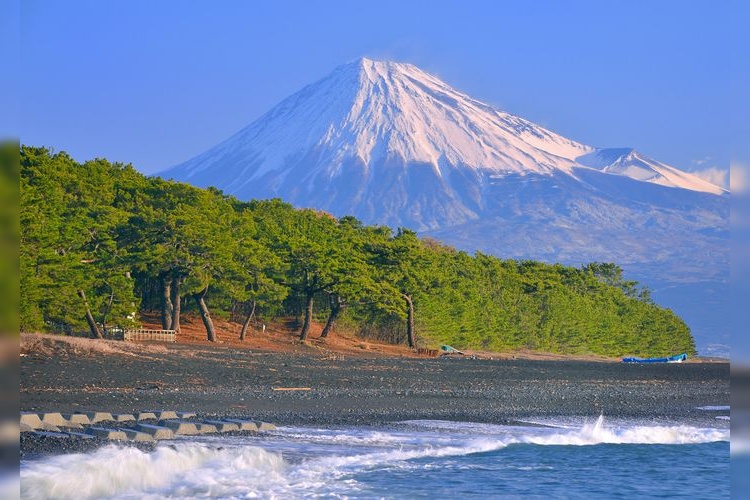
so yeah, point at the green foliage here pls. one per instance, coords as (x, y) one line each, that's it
(122, 238)
(69, 219)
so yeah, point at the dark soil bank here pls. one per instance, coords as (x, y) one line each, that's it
(319, 389)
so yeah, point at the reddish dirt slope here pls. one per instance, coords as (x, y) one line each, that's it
(279, 336)
(282, 336)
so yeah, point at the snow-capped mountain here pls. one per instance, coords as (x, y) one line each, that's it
(379, 112)
(631, 163)
(390, 144)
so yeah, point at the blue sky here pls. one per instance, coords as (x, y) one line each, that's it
(155, 83)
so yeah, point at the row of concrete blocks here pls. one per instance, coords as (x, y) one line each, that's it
(43, 421)
(164, 429)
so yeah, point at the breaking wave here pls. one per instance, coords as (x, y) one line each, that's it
(184, 470)
(298, 461)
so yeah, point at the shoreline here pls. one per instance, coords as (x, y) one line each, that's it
(316, 387)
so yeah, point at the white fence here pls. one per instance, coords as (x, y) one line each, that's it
(146, 334)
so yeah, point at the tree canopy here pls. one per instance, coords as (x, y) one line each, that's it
(102, 244)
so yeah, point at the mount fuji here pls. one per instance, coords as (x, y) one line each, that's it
(391, 144)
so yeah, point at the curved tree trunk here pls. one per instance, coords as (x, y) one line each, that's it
(409, 321)
(246, 324)
(167, 310)
(205, 315)
(175, 297)
(93, 327)
(336, 305)
(308, 317)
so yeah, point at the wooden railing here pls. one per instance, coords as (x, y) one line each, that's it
(423, 351)
(146, 334)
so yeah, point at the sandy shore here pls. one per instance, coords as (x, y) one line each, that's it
(310, 386)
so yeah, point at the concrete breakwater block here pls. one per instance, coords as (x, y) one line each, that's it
(59, 420)
(97, 416)
(186, 414)
(180, 427)
(48, 427)
(71, 426)
(31, 419)
(265, 426)
(135, 435)
(206, 428)
(77, 418)
(146, 415)
(224, 426)
(252, 425)
(244, 425)
(50, 422)
(163, 414)
(155, 431)
(104, 433)
(54, 419)
(123, 417)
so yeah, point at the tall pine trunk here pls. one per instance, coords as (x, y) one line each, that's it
(246, 324)
(175, 298)
(409, 321)
(93, 327)
(167, 309)
(336, 305)
(205, 315)
(308, 317)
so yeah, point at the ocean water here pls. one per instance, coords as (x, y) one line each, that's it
(542, 458)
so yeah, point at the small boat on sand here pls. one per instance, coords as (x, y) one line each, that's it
(450, 350)
(677, 358)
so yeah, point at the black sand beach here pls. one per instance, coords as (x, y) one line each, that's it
(322, 388)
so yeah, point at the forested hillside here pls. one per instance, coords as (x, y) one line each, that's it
(101, 243)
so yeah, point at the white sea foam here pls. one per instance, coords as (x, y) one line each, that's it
(572, 431)
(599, 433)
(183, 470)
(298, 462)
(713, 408)
(348, 436)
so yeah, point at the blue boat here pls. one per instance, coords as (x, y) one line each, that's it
(678, 358)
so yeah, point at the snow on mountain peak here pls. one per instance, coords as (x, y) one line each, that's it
(381, 112)
(631, 163)
(377, 111)
(400, 110)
